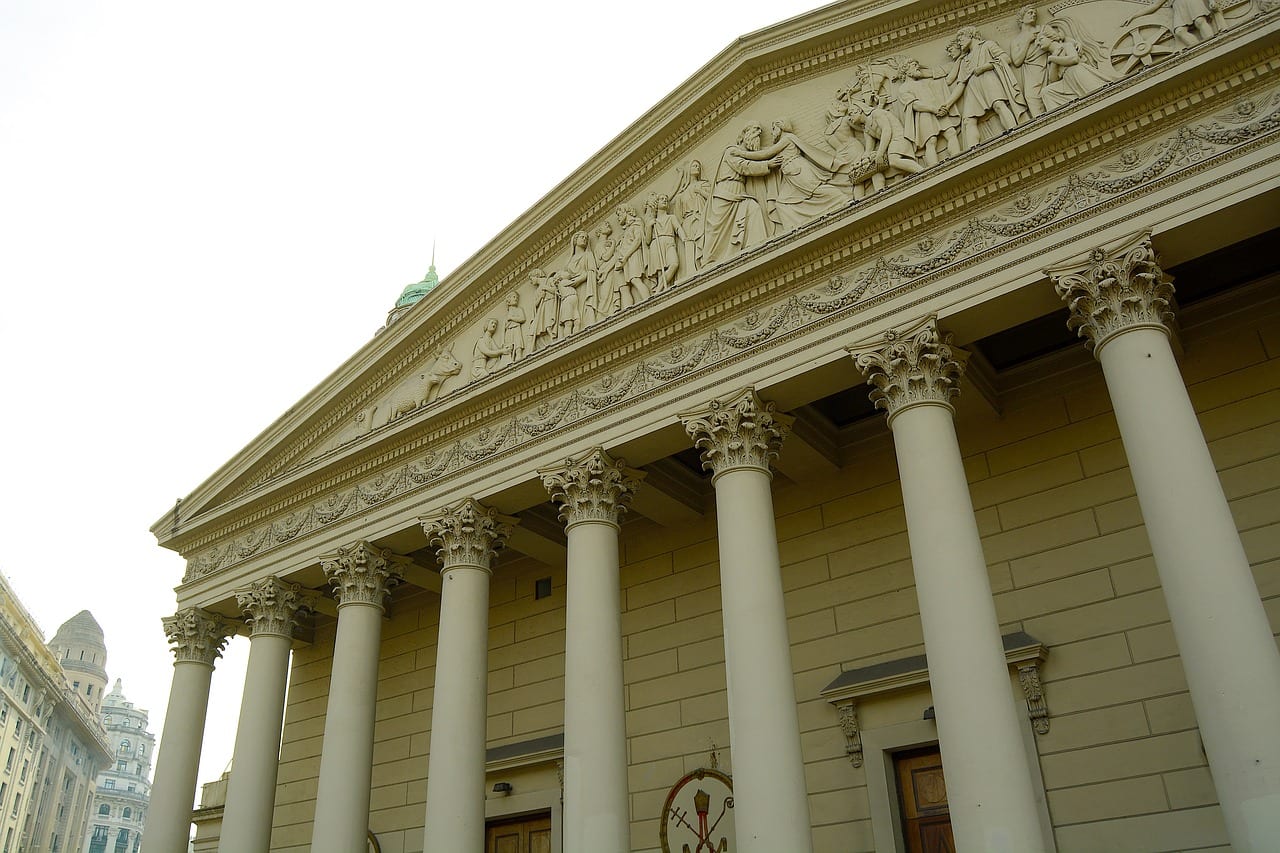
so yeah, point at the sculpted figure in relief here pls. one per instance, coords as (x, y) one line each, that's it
(428, 384)
(631, 258)
(1029, 57)
(927, 121)
(689, 206)
(739, 214)
(891, 152)
(486, 355)
(845, 139)
(610, 274)
(1074, 68)
(1193, 20)
(805, 187)
(987, 85)
(546, 310)
(581, 278)
(513, 330)
(664, 246)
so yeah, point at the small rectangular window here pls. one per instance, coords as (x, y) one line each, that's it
(542, 588)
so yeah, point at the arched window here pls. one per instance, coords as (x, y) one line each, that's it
(104, 809)
(124, 746)
(126, 814)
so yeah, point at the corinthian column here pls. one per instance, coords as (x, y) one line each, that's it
(592, 490)
(914, 375)
(361, 576)
(198, 638)
(468, 536)
(1120, 302)
(739, 435)
(272, 608)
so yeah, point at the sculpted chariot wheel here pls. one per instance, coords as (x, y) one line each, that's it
(1145, 41)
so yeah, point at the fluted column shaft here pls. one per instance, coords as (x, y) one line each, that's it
(198, 638)
(592, 490)
(738, 436)
(467, 537)
(272, 608)
(988, 772)
(1119, 299)
(361, 575)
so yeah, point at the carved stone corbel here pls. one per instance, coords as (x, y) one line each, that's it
(1033, 691)
(852, 734)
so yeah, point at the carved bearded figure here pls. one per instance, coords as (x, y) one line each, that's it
(805, 188)
(921, 97)
(664, 248)
(610, 282)
(631, 258)
(739, 212)
(987, 84)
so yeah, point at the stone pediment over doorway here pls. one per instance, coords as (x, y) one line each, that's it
(811, 170)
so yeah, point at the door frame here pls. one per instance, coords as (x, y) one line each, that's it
(531, 804)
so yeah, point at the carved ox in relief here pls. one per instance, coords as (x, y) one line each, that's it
(426, 386)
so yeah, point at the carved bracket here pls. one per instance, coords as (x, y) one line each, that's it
(1037, 708)
(852, 734)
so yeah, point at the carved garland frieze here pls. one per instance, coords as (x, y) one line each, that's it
(1247, 121)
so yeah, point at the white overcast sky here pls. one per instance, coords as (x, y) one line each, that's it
(205, 208)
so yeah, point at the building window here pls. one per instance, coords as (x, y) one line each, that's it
(26, 765)
(142, 749)
(4, 713)
(109, 783)
(8, 840)
(17, 729)
(124, 745)
(88, 691)
(120, 765)
(122, 841)
(104, 809)
(126, 814)
(8, 764)
(17, 804)
(75, 685)
(26, 693)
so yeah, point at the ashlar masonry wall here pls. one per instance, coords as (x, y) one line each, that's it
(1069, 563)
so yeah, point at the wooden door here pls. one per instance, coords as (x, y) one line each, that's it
(522, 835)
(922, 793)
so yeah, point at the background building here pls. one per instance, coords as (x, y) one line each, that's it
(51, 743)
(124, 788)
(948, 526)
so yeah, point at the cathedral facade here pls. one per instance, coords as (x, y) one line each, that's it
(875, 447)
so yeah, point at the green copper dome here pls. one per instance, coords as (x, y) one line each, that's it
(414, 292)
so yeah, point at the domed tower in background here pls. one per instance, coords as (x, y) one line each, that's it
(124, 789)
(413, 293)
(80, 648)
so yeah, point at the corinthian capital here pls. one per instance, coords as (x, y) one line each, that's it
(274, 607)
(593, 487)
(468, 534)
(1113, 289)
(362, 573)
(737, 431)
(197, 636)
(910, 367)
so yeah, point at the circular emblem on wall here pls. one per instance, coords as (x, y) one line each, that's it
(698, 815)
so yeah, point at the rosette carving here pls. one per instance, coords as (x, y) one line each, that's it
(197, 635)
(1115, 288)
(362, 573)
(910, 367)
(272, 606)
(593, 487)
(469, 534)
(737, 431)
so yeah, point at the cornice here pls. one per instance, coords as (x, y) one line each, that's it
(891, 221)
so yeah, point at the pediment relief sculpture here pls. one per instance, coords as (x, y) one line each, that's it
(868, 279)
(794, 156)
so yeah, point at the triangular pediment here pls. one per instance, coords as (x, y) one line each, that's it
(789, 131)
